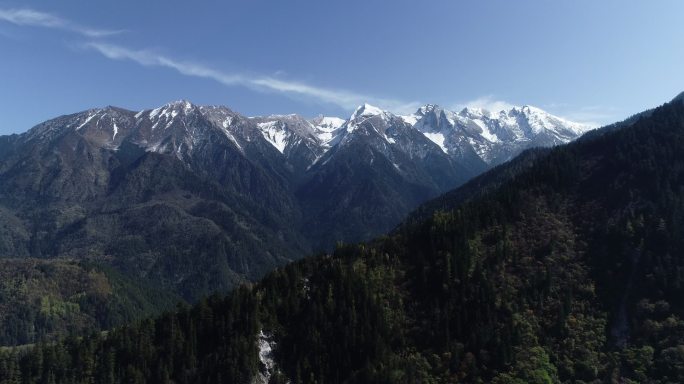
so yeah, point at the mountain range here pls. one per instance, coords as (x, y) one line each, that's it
(563, 265)
(183, 200)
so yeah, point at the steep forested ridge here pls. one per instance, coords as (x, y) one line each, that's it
(570, 271)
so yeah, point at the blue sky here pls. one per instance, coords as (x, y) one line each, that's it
(586, 60)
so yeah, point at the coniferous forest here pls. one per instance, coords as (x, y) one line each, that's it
(568, 268)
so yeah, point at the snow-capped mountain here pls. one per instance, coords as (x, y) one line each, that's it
(386, 131)
(297, 139)
(182, 189)
(476, 134)
(181, 127)
(176, 127)
(352, 178)
(474, 138)
(376, 167)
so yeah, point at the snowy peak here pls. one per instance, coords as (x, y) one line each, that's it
(492, 137)
(476, 113)
(219, 116)
(327, 128)
(366, 110)
(181, 105)
(472, 135)
(386, 133)
(169, 111)
(296, 124)
(286, 130)
(431, 118)
(540, 121)
(432, 121)
(428, 108)
(184, 122)
(106, 126)
(299, 140)
(370, 120)
(183, 128)
(328, 123)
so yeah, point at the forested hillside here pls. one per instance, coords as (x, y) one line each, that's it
(571, 271)
(41, 299)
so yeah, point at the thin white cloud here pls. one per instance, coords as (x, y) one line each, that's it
(594, 116)
(33, 18)
(342, 98)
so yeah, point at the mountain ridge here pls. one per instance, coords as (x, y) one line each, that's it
(566, 268)
(538, 120)
(195, 199)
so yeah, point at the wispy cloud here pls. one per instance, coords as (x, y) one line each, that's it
(33, 18)
(342, 98)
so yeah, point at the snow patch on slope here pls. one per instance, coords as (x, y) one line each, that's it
(489, 136)
(325, 128)
(437, 138)
(330, 123)
(87, 120)
(274, 134)
(410, 119)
